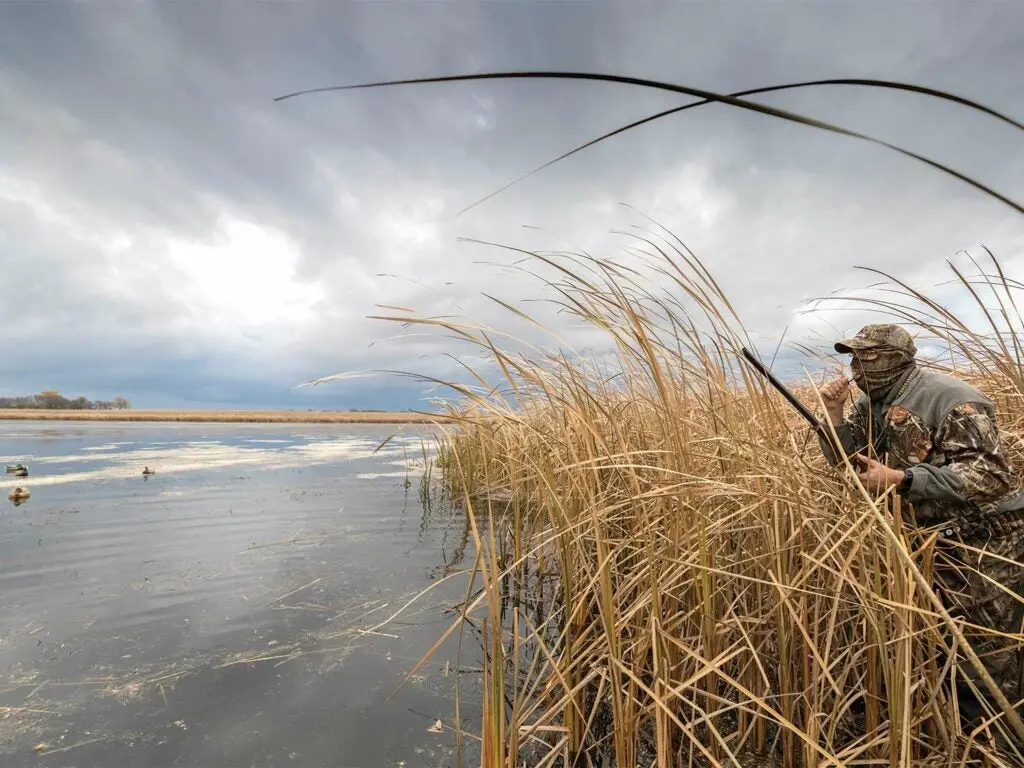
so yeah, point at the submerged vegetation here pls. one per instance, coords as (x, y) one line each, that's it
(668, 572)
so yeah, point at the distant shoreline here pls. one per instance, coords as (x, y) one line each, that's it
(252, 417)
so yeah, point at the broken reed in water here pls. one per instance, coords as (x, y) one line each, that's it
(671, 574)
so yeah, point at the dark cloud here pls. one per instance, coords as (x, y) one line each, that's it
(145, 156)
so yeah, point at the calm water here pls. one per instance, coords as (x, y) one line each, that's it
(208, 615)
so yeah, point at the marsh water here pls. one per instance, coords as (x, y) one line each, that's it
(231, 609)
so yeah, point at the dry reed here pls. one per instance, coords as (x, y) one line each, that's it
(667, 571)
(672, 575)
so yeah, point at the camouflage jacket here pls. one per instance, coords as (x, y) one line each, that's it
(944, 432)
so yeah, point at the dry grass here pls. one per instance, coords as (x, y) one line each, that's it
(673, 575)
(269, 417)
(667, 571)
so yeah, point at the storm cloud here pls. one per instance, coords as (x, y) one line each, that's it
(170, 233)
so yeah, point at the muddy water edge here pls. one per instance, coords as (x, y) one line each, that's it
(215, 613)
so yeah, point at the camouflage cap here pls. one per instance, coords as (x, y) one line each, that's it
(883, 335)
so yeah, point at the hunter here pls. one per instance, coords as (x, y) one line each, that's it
(938, 444)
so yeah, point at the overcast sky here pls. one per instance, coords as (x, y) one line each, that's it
(170, 233)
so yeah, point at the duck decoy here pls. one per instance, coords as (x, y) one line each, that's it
(18, 494)
(15, 467)
(148, 471)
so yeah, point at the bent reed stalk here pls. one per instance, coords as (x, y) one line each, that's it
(671, 573)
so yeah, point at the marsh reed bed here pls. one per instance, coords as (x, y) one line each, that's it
(668, 573)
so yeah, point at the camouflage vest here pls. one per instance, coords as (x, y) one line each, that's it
(931, 396)
(926, 397)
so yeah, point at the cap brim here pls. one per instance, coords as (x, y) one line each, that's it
(848, 346)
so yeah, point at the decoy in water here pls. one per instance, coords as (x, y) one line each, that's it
(15, 467)
(18, 494)
(148, 471)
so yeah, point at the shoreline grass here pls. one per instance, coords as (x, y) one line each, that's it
(242, 416)
(668, 573)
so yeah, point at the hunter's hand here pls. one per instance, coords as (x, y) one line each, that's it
(833, 395)
(874, 475)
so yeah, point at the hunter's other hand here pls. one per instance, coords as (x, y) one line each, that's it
(833, 395)
(874, 475)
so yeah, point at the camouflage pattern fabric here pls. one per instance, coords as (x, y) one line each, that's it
(878, 335)
(966, 445)
(961, 478)
(969, 585)
(882, 354)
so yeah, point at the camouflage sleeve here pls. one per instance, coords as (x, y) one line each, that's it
(974, 470)
(852, 433)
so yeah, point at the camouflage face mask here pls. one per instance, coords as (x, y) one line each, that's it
(876, 370)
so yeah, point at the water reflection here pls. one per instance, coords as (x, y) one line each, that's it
(458, 554)
(232, 609)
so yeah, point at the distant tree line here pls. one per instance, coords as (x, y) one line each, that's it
(51, 399)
